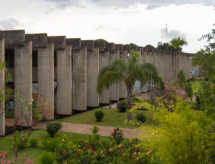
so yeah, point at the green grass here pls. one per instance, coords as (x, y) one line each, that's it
(111, 118)
(6, 144)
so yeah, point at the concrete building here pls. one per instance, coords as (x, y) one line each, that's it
(48, 66)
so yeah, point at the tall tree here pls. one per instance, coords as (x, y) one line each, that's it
(129, 72)
(178, 43)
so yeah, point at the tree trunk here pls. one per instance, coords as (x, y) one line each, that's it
(129, 97)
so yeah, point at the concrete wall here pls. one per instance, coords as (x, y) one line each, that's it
(23, 83)
(46, 80)
(64, 81)
(92, 72)
(2, 82)
(104, 53)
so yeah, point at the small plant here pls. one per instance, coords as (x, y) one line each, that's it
(181, 79)
(122, 106)
(141, 117)
(47, 158)
(95, 129)
(117, 135)
(189, 90)
(99, 114)
(33, 142)
(52, 128)
(50, 144)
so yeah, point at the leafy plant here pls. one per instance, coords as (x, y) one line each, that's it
(122, 106)
(52, 128)
(141, 117)
(189, 90)
(99, 114)
(181, 79)
(117, 135)
(33, 142)
(47, 158)
(50, 144)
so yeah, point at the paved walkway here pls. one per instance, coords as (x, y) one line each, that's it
(85, 129)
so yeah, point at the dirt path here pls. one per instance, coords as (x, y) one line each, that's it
(85, 129)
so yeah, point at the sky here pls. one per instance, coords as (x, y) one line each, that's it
(141, 22)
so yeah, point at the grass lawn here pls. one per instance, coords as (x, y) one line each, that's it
(6, 144)
(111, 118)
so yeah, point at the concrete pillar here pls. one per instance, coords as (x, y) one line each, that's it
(104, 97)
(144, 60)
(46, 80)
(158, 65)
(2, 83)
(23, 83)
(114, 89)
(79, 73)
(174, 65)
(64, 81)
(92, 72)
(139, 49)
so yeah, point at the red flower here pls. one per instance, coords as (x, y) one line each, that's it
(83, 149)
(98, 128)
(86, 145)
(76, 155)
(93, 151)
(103, 141)
(136, 150)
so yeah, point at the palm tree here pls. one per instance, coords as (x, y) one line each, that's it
(178, 43)
(128, 72)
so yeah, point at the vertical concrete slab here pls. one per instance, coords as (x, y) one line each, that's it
(144, 60)
(23, 83)
(64, 81)
(92, 72)
(104, 97)
(114, 89)
(2, 83)
(174, 65)
(123, 55)
(79, 73)
(139, 49)
(46, 80)
(158, 65)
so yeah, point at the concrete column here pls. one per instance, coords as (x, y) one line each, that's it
(104, 97)
(79, 64)
(46, 80)
(2, 83)
(139, 49)
(114, 89)
(123, 55)
(23, 83)
(174, 65)
(92, 72)
(158, 65)
(154, 58)
(144, 60)
(64, 81)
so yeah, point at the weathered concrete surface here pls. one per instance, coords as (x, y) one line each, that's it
(58, 41)
(13, 38)
(144, 60)
(46, 80)
(64, 81)
(38, 40)
(104, 97)
(2, 83)
(174, 65)
(92, 72)
(114, 89)
(23, 83)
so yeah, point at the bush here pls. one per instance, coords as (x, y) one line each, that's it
(99, 114)
(122, 106)
(53, 127)
(118, 135)
(33, 142)
(47, 158)
(50, 144)
(189, 90)
(141, 117)
(181, 79)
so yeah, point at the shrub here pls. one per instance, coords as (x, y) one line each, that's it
(141, 117)
(189, 90)
(122, 106)
(181, 79)
(53, 127)
(47, 158)
(50, 144)
(33, 142)
(118, 135)
(99, 114)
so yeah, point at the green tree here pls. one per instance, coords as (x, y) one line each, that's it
(128, 72)
(101, 40)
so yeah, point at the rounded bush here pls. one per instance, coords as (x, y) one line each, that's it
(52, 128)
(141, 117)
(50, 144)
(33, 142)
(99, 114)
(122, 106)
